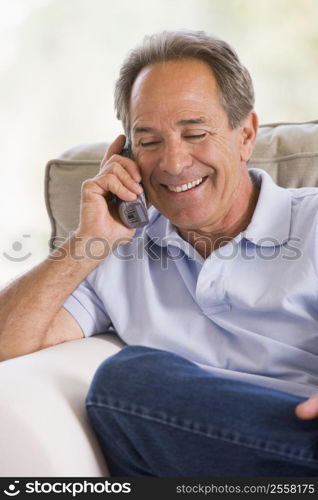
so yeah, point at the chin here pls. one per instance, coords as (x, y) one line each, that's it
(186, 222)
(187, 217)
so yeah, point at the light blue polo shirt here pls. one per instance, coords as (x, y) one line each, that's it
(249, 311)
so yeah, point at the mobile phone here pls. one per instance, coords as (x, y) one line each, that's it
(132, 213)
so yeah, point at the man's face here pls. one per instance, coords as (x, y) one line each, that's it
(181, 135)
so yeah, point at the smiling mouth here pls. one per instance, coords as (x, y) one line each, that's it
(185, 187)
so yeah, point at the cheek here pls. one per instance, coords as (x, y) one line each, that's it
(213, 153)
(146, 171)
(149, 168)
(145, 166)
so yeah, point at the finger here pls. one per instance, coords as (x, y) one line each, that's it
(308, 409)
(126, 163)
(112, 185)
(106, 186)
(125, 178)
(115, 147)
(120, 190)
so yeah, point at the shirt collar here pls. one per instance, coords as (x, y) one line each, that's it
(271, 220)
(269, 226)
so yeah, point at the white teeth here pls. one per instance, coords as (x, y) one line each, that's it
(185, 187)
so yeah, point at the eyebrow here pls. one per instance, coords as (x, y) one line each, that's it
(180, 123)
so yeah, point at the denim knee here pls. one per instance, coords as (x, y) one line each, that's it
(119, 374)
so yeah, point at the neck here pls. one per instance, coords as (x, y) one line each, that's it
(206, 240)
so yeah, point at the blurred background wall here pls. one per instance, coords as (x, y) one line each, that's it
(59, 60)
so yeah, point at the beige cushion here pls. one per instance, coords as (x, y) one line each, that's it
(287, 151)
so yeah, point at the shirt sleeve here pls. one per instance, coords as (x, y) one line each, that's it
(88, 309)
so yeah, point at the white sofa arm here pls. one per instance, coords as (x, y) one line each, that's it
(44, 430)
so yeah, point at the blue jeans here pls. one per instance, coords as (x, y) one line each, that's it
(158, 414)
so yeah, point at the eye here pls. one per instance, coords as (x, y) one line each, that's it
(149, 144)
(196, 136)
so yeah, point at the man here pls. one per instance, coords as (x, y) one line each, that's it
(220, 357)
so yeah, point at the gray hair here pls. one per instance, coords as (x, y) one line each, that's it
(233, 79)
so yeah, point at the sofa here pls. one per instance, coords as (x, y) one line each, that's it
(44, 430)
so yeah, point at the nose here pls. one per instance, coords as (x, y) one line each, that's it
(175, 158)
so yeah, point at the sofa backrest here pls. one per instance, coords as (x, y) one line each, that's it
(287, 151)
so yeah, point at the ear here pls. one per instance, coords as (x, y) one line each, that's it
(249, 127)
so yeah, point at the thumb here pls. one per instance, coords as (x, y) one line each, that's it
(308, 409)
(114, 148)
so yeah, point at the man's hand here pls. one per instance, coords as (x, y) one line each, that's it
(308, 409)
(118, 176)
